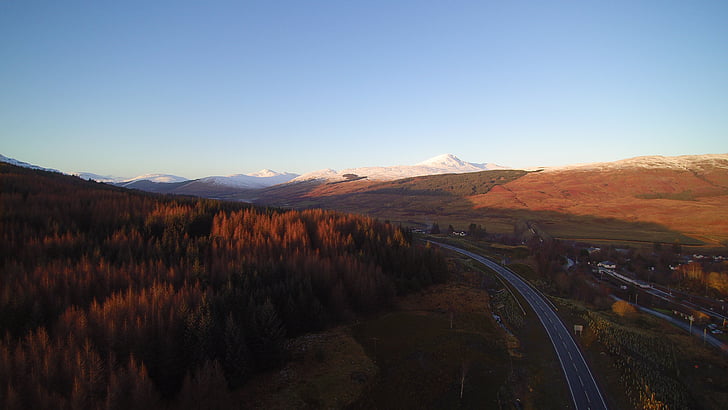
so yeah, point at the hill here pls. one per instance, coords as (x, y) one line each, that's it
(683, 194)
(647, 199)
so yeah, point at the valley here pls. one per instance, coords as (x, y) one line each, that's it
(363, 205)
(330, 294)
(617, 203)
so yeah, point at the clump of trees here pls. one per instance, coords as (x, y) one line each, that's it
(624, 308)
(694, 276)
(119, 299)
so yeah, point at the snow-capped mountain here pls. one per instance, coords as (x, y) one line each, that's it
(15, 162)
(441, 164)
(109, 179)
(261, 179)
(158, 178)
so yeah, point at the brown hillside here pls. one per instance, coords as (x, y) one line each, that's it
(689, 201)
(641, 199)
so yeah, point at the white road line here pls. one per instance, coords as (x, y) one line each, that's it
(555, 329)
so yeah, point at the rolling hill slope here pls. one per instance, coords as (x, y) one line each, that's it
(646, 199)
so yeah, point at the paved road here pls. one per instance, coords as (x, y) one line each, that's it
(584, 390)
(696, 330)
(667, 295)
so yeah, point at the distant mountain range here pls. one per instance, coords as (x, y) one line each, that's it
(15, 162)
(643, 199)
(441, 164)
(221, 186)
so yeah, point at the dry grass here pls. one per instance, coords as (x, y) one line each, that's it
(623, 206)
(635, 196)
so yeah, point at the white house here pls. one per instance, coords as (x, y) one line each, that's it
(607, 265)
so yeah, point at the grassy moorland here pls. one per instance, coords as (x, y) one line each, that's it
(691, 203)
(624, 206)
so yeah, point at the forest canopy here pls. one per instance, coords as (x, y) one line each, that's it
(112, 298)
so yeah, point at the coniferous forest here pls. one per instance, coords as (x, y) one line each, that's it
(111, 298)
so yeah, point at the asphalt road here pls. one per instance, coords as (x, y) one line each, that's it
(696, 330)
(584, 390)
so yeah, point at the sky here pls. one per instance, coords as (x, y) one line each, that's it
(199, 88)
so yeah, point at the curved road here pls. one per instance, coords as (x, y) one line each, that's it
(584, 390)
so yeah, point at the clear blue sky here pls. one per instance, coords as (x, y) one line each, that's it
(199, 88)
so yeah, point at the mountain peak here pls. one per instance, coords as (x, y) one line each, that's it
(448, 160)
(441, 164)
(265, 173)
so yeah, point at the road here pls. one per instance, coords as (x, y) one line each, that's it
(672, 296)
(696, 330)
(584, 390)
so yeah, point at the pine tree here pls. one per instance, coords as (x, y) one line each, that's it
(237, 355)
(269, 336)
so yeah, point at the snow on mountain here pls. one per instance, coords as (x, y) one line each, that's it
(110, 179)
(441, 164)
(159, 178)
(261, 179)
(450, 161)
(322, 174)
(15, 162)
(692, 162)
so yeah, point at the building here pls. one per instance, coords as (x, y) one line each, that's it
(607, 265)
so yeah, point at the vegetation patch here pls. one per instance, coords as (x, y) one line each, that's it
(422, 361)
(111, 297)
(327, 370)
(676, 196)
(646, 363)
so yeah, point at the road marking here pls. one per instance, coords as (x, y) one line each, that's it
(555, 329)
